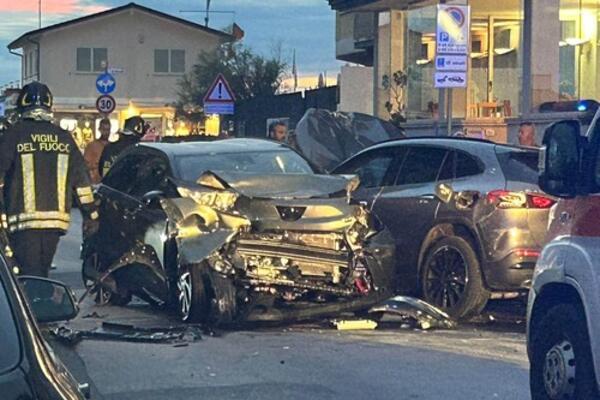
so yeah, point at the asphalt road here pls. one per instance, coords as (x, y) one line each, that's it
(479, 361)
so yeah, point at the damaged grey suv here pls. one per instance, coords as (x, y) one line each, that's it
(234, 230)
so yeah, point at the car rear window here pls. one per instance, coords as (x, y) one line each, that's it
(519, 165)
(10, 347)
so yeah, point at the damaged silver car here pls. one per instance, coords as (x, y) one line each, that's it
(235, 230)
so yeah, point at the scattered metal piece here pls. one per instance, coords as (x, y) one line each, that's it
(358, 324)
(94, 315)
(423, 314)
(179, 335)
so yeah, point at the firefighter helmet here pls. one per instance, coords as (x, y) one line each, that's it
(34, 96)
(136, 125)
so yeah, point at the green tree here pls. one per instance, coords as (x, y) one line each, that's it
(249, 75)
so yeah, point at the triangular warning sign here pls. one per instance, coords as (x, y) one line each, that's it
(220, 92)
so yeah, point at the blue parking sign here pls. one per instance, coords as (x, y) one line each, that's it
(106, 83)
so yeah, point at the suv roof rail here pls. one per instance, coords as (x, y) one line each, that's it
(461, 138)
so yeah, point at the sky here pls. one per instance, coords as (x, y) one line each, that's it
(308, 26)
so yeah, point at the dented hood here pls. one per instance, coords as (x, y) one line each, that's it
(279, 186)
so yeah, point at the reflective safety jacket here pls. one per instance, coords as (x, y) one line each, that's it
(112, 151)
(41, 169)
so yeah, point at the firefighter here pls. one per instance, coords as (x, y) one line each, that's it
(41, 169)
(133, 131)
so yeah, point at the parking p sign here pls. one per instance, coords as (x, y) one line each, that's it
(452, 49)
(453, 29)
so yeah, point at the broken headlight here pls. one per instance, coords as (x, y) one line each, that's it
(222, 200)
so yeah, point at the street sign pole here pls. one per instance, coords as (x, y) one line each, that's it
(449, 112)
(452, 55)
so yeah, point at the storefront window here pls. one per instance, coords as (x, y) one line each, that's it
(496, 59)
(494, 87)
(422, 97)
(578, 50)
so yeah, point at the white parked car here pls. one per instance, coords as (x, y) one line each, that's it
(563, 330)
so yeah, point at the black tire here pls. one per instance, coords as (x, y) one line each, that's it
(562, 335)
(190, 293)
(104, 297)
(223, 299)
(451, 278)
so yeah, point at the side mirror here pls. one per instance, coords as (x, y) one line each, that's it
(560, 159)
(152, 196)
(444, 192)
(50, 301)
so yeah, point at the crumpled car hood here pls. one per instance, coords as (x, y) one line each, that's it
(282, 186)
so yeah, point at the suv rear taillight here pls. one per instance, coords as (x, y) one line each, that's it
(507, 199)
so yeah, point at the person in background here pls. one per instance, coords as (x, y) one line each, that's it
(94, 150)
(133, 131)
(41, 170)
(527, 134)
(278, 131)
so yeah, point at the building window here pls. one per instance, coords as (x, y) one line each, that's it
(496, 59)
(25, 66)
(578, 50)
(91, 59)
(178, 61)
(100, 56)
(161, 61)
(421, 97)
(169, 61)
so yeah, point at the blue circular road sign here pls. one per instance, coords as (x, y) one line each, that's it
(106, 83)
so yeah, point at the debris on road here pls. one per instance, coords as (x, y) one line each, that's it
(129, 333)
(94, 315)
(356, 324)
(412, 310)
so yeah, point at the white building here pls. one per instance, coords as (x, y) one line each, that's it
(147, 51)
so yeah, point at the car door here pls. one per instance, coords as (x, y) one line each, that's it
(463, 173)
(375, 168)
(117, 206)
(152, 183)
(409, 205)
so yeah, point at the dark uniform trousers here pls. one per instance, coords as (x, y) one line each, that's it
(34, 250)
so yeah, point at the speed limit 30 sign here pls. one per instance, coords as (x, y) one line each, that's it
(106, 104)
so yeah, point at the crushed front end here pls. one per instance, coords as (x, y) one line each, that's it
(284, 258)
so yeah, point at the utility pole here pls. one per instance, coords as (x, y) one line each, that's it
(40, 14)
(207, 12)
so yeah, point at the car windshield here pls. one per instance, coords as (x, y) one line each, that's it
(266, 162)
(9, 355)
(519, 165)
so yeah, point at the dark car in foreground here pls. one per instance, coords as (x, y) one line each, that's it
(467, 216)
(234, 230)
(29, 369)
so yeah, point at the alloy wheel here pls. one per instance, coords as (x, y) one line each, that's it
(559, 371)
(446, 277)
(103, 296)
(184, 286)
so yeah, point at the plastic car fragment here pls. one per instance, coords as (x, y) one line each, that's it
(418, 311)
(129, 333)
